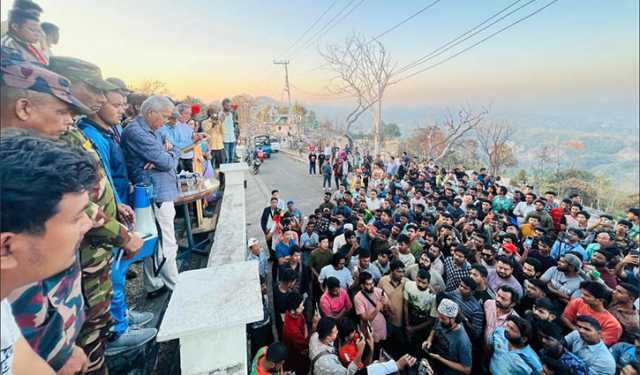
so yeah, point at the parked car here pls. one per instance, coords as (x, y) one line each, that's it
(275, 144)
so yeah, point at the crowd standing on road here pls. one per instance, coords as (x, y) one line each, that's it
(407, 264)
(73, 147)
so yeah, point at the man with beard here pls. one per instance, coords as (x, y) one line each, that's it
(472, 314)
(563, 280)
(553, 346)
(497, 312)
(512, 353)
(419, 309)
(456, 267)
(369, 304)
(531, 269)
(623, 309)
(479, 275)
(543, 311)
(488, 258)
(393, 286)
(594, 297)
(599, 260)
(436, 284)
(503, 275)
(534, 289)
(448, 344)
(541, 250)
(437, 259)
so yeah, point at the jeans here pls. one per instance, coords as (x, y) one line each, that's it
(312, 168)
(229, 151)
(326, 182)
(119, 298)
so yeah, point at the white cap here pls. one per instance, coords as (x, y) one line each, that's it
(348, 226)
(253, 241)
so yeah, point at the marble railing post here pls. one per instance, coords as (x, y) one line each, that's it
(210, 308)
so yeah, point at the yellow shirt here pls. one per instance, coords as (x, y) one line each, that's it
(214, 130)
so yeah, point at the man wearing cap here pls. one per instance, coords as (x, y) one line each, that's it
(97, 127)
(50, 312)
(96, 251)
(450, 349)
(256, 253)
(563, 280)
(34, 98)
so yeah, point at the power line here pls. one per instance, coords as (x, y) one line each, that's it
(311, 27)
(478, 42)
(459, 39)
(392, 28)
(405, 20)
(337, 18)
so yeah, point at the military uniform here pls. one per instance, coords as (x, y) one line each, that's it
(96, 259)
(96, 248)
(49, 313)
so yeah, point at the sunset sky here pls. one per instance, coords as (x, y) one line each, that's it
(576, 51)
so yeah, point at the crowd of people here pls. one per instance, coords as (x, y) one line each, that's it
(406, 264)
(74, 145)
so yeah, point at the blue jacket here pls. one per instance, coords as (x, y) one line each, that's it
(142, 145)
(111, 156)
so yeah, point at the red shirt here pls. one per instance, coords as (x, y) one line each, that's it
(611, 328)
(348, 352)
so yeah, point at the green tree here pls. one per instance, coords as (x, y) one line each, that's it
(390, 131)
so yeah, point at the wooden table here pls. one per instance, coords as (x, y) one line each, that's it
(196, 194)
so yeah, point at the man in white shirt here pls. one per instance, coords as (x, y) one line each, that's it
(524, 208)
(57, 180)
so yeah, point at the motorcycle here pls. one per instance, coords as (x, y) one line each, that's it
(253, 162)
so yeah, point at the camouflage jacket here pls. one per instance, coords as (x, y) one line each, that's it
(96, 248)
(50, 313)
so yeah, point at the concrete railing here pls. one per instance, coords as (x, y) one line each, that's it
(210, 307)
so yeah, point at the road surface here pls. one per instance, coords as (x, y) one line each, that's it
(289, 176)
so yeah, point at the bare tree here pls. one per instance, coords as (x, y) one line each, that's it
(151, 88)
(363, 70)
(493, 139)
(438, 141)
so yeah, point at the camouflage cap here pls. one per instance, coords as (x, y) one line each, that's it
(17, 73)
(122, 87)
(80, 70)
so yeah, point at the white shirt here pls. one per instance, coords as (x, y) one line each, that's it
(10, 334)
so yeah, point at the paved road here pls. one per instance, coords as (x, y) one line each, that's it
(291, 178)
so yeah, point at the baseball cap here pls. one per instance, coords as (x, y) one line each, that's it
(573, 260)
(510, 248)
(20, 74)
(80, 70)
(252, 241)
(122, 87)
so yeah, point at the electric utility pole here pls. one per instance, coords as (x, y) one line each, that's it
(286, 84)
